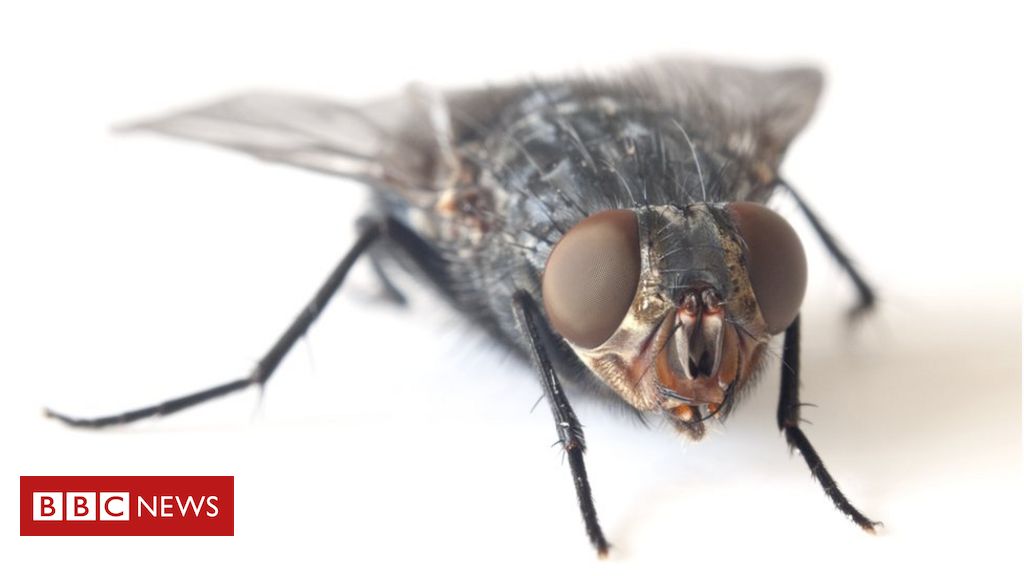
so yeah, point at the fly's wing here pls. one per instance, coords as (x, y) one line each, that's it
(405, 143)
(768, 107)
(400, 143)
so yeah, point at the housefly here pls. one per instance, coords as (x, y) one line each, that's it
(613, 230)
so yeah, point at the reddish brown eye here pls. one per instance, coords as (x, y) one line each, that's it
(775, 262)
(591, 277)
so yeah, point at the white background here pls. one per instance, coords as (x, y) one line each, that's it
(135, 269)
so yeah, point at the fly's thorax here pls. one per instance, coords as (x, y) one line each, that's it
(680, 330)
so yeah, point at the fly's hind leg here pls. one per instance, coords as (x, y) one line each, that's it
(370, 232)
(789, 423)
(570, 433)
(865, 293)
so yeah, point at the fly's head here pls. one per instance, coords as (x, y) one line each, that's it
(673, 307)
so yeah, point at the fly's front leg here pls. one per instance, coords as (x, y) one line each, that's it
(369, 234)
(570, 433)
(789, 424)
(865, 293)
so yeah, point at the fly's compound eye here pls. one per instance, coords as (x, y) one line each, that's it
(775, 262)
(591, 277)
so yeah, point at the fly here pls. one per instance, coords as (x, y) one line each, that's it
(609, 229)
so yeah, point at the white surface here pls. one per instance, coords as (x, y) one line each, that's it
(135, 269)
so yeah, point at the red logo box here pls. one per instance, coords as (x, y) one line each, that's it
(127, 505)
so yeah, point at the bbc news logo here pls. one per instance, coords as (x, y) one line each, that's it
(115, 506)
(127, 506)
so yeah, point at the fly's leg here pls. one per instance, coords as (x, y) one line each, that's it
(789, 424)
(266, 366)
(865, 293)
(570, 433)
(390, 292)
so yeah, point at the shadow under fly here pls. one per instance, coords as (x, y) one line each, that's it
(613, 230)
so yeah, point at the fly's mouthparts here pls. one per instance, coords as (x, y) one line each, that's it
(698, 360)
(702, 367)
(711, 355)
(698, 337)
(681, 347)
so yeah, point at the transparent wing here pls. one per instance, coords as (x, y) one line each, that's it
(776, 103)
(400, 143)
(405, 143)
